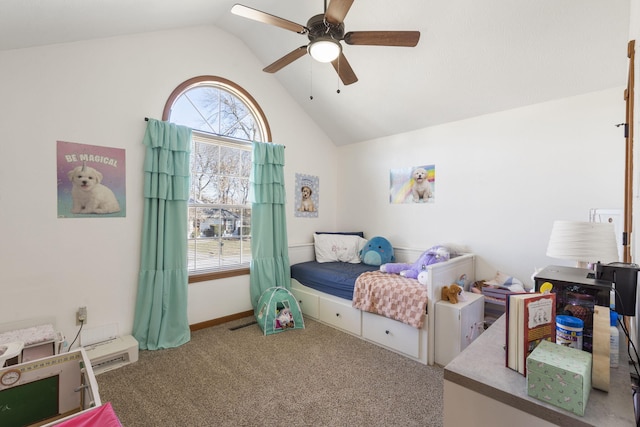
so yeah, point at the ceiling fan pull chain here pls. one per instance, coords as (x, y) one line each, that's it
(338, 75)
(311, 80)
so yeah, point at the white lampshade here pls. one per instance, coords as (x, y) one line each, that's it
(584, 242)
(324, 49)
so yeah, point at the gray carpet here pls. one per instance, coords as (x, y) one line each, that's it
(315, 376)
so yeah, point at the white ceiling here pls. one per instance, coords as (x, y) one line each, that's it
(474, 57)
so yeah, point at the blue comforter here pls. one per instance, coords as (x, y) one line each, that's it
(335, 278)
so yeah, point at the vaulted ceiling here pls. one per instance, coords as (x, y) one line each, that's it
(474, 57)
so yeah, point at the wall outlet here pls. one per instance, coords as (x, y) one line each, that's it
(81, 316)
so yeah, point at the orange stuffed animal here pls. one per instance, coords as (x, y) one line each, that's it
(451, 293)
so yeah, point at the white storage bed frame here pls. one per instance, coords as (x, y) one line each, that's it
(417, 344)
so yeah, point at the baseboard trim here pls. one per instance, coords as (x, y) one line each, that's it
(220, 320)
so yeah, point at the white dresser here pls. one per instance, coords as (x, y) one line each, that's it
(339, 313)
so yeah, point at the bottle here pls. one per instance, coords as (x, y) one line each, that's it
(569, 331)
(614, 340)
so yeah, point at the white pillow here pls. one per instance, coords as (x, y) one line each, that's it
(338, 247)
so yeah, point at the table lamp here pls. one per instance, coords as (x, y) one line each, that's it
(583, 242)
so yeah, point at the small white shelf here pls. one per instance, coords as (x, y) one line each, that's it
(457, 325)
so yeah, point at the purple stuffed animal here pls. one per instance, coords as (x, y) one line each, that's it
(431, 256)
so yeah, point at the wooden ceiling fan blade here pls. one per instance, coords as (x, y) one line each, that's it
(383, 38)
(337, 10)
(344, 70)
(286, 60)
(266, 18)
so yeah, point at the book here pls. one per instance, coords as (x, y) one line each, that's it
(497, 295)
(530, 318)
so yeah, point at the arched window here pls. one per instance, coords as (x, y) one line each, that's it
(225, 120)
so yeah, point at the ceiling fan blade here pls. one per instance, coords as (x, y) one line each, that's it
(383, 38)
(337, 10)
(344, 70)
(286, 60)
(256, 15)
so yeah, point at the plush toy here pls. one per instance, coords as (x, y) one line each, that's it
(451, 293)
(285, 318)
(423, 277)
(377, 251)
(430, 256)
(505, 281)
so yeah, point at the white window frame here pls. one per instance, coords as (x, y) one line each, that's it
(228, 269)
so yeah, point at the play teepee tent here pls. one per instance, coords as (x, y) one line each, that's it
(278, 311)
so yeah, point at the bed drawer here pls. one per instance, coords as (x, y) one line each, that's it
(391, 333)
(341, 315)
(308, 302)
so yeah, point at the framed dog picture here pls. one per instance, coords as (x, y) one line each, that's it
(414, 184)
(91, 181)
(307, 200)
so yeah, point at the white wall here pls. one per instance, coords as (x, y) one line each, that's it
(501, 180)
(98, 93)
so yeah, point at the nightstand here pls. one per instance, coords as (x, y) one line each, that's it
(457, 325)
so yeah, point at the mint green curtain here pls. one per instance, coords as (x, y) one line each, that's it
(161, 307)
(269, 246)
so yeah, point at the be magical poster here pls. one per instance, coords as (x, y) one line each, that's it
(413, 184)
(91, 181)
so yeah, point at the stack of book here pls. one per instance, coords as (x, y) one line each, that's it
(530, 318)
(495, 298)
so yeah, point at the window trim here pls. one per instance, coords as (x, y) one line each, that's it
(234, 88)
(255, 108)
(222, 274)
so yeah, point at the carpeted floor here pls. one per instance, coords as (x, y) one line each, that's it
(317, 376)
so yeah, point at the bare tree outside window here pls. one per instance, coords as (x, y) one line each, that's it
(225, 121)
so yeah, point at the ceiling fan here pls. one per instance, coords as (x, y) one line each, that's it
(325, 32)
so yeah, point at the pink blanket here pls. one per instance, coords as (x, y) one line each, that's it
(392, 296)
(100, 416)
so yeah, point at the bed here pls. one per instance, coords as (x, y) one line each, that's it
(328, 299)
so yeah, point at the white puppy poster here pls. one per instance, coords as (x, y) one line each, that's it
(414, 184)
(307, 196)
(91, 181)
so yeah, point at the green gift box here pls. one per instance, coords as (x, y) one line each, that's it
(560, 376)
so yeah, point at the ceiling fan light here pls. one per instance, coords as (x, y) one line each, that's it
(325, 49)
